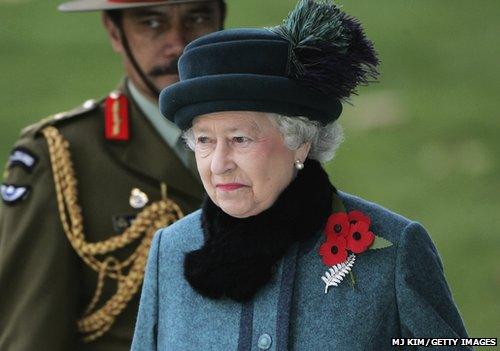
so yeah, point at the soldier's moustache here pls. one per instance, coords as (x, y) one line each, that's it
(170, 68)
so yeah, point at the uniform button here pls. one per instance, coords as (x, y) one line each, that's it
(264, 342)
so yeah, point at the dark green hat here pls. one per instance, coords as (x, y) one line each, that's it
(304, 67)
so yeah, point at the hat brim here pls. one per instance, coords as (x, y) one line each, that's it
(98, 5)
(185, 100)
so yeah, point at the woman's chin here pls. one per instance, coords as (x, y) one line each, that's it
(235, 209)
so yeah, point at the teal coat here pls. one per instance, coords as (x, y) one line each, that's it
(399, 292)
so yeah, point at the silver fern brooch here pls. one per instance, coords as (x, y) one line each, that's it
(336, 274)
(346, 235)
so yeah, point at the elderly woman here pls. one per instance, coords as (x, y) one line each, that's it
(277, 258)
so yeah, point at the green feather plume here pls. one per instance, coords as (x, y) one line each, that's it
(329, 51)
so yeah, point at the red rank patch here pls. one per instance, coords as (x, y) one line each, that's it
(116, 117)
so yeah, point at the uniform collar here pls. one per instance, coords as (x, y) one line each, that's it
(167, 130)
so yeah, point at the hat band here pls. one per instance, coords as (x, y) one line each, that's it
(183, 101)
(233, 57)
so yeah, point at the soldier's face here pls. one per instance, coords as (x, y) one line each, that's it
(157, 36)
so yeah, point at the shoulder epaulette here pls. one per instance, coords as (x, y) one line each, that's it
(87, 106)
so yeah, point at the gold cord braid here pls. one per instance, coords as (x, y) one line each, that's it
(128, 273)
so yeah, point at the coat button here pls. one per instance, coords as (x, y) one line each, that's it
(264, 342)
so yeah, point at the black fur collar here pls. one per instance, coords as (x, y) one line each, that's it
(239, 254)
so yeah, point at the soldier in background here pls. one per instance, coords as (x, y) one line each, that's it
(85, 190)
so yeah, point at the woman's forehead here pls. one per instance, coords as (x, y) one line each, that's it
(233, 120)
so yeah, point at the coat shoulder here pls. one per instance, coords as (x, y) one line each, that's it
(183, 235)
(385, 223)
(353, 202)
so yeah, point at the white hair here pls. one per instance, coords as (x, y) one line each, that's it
(324, 139)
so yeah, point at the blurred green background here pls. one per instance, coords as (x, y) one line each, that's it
(423, 142)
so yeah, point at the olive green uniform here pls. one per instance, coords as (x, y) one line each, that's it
(45, 284)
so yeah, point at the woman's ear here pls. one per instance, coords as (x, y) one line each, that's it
(302, 152)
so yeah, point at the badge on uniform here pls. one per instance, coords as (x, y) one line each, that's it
(12, 194)
(116, 125)
(138, 199)
(22, 157)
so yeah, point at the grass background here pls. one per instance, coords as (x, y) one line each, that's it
(424, 141)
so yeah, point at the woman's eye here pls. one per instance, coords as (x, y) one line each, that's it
(240, 140)
(202, 140)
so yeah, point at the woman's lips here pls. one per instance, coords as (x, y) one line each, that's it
(229, 186)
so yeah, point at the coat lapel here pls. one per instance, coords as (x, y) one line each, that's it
(146, 153)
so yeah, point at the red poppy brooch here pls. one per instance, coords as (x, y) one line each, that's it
(347, 234)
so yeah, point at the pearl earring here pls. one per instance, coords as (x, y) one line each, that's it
(299, 165)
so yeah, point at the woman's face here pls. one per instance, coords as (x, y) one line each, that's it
(243, 161)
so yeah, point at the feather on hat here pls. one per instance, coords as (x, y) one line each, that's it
(329, 50)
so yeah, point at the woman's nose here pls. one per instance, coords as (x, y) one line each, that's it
(222, 161)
